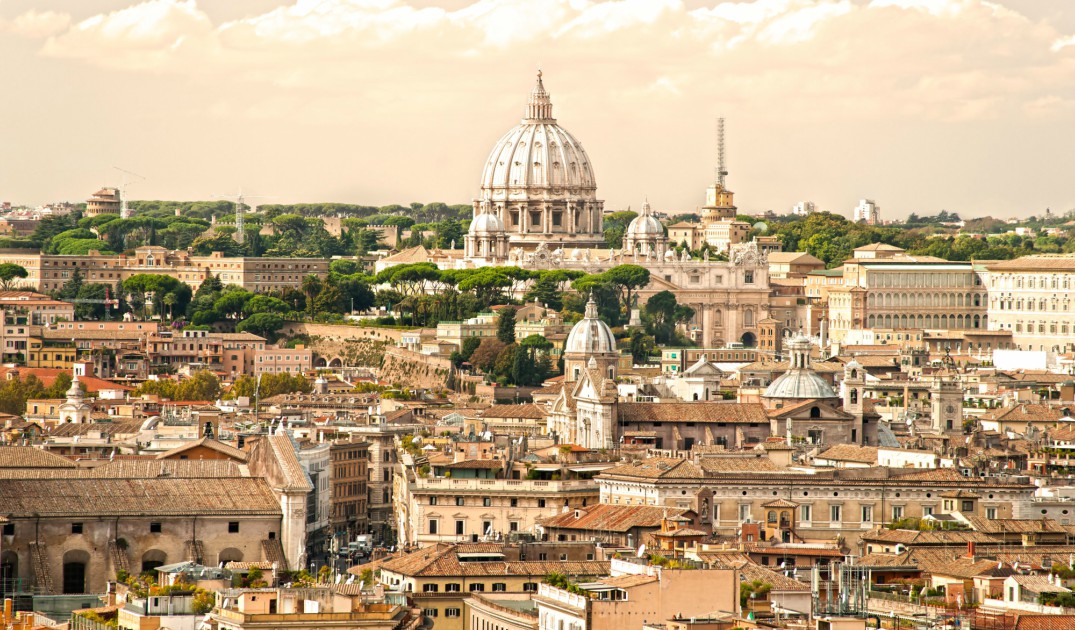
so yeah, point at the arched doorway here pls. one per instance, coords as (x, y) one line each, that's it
(74, 571)
(749, 340)
(231, 554)
(9, 572)
(335, 363)
(152, 559)
(319, 362)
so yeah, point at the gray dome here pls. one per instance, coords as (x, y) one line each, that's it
(800, 381)
(538, 155)
(645, 224)
(486, 223)
(591, 335)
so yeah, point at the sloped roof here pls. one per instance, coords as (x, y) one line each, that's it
(850, 453)
(441, 560)
(692, 412)
(658, 468)
(610, 518)
(530, 411)
(48, 375)
(30, 457)
(750, 572)
(295, 477)
(89, 497)
(120, 427)
(206, 442)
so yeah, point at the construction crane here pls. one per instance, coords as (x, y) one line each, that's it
(108, 301)
(124, 212)
(240, 199)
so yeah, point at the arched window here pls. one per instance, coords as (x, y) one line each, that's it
(771, 516)
(815, 412)
(854, 396)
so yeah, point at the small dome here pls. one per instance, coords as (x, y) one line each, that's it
(486, 223)
(645, 224)
(800, 381)
(591, 335)
(801, 384)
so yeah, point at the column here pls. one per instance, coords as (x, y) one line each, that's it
(707, 324)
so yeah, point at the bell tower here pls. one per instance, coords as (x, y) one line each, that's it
(946, 398)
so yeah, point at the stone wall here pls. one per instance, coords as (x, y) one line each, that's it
(413, 369)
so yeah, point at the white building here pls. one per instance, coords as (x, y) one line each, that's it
(803, 208)
(867, 212)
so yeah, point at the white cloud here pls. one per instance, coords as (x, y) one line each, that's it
(37, 24)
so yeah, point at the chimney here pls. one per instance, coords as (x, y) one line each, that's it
(970, 549)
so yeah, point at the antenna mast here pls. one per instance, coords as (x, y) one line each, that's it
(124, 212)
(240, 234)
(722, 171)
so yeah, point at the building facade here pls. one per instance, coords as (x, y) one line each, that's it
(1030, 298)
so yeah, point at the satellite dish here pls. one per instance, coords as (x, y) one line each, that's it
(642, 550)
(761, 226)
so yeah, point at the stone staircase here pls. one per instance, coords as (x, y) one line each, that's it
(274, 553)
(120, 560)
(42, 575)
(195, 551)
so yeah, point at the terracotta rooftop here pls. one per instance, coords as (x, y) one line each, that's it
(21, 457)
(850, 453)
(441, 560)
(90, 497)
(209, 443)
(610, 518)
(693, 412)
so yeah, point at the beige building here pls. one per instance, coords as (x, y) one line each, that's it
(104, 201)
(788, 265)
(316, 608)
(885, 288)
(824, 503)
(635, 593)
(50, 272)
(293, 361)
(1030, 298)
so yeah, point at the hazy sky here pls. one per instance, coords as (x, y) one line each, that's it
(922, 105)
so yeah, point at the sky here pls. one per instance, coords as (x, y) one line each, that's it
(920, 105)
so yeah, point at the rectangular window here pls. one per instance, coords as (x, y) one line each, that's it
(432, 526)
(530, 587)
(514, 503)
(460, 526)
(451, 588)
(804, 513)
(9, 529)
(476, 587)
(487, 502)
(76, 528)
(460, 501)
(968, 506)
(927, 510)
(451, 612)
(541, 503)
(432, 500)
(897, 512)
(233, 527)
(429, 612)
(991, 513)
(836, 513)
(513, 526)
(429, 588)
(499, 587)
(154, 528)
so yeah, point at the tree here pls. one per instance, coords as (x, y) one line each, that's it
(263, 324)
(202, 385)
(449, 233)
(485, 355)
(505, 326)
(627, 279)
(615, 226)
(267, 304)
(9, 273)
(642, 346)
(661, 315)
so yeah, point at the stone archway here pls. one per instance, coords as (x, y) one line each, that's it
(152, 559)
(749, 340)
(319, 361)
(335, 363)
(75, 563)
(230, 554)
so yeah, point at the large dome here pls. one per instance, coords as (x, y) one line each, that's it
(591, 335)
(800, 381)
(538, 154)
